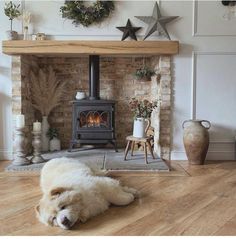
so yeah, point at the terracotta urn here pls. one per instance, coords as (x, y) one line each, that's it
(196, 140)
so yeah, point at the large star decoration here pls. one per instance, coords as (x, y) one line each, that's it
(156, 22)
(129, 30)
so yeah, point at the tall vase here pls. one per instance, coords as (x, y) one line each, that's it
(26, 35)
(140, 127)
(196, 140)
(44, 137)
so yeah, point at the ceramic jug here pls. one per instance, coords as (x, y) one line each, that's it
(140, 127)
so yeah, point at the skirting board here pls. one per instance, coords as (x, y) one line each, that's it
(5, 155)
(211, 155)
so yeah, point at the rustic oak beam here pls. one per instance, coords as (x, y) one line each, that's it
(56, 47)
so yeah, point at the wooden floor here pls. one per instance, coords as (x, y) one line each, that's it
(196, 200)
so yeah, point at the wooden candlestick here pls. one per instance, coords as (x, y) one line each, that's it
(37, 144)
(19, 147)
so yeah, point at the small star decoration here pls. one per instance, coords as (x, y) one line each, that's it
(156, 22)
(129, 31)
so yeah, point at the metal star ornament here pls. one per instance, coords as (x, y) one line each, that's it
(129, 31)
(156, 22)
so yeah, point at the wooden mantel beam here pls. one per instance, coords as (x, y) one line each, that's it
(56, 47)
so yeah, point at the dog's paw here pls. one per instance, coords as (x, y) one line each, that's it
(84, 215)
(134, 191)
(100, 172)
(83, 220)
(137, 194)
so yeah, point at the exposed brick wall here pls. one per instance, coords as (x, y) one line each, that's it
(116, 82)
(21, 67)
(166, 106)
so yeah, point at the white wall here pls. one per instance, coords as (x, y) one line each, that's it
(5, 93)
(204, 81)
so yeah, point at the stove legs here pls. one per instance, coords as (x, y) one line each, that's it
(113, 142)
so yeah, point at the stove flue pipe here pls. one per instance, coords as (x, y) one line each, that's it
(94, 84)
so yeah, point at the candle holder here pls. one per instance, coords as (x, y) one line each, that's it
(37, 144)
(19, 148)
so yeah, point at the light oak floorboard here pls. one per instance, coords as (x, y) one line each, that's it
(190, 200)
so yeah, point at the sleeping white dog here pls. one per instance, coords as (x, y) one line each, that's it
(73, 192)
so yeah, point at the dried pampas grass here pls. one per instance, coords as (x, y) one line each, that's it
(46, 91)
(26, 17)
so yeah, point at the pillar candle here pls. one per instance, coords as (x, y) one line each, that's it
(36, 126)
(20, 121)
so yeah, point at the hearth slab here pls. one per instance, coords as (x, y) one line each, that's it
(115, 161)
(92, 157)
(100, 159)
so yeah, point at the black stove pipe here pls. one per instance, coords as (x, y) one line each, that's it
(94, 86)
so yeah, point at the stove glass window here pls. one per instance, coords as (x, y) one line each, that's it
(93, 119)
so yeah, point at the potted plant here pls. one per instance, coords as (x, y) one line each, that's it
(12, 11)
(54, 143)
(144, 73)
(142, 110)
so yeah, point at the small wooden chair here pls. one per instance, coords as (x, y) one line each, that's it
(133, 140)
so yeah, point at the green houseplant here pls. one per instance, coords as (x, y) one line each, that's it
(54, 143)
(52, 132)
(144, 73)
(12, 11)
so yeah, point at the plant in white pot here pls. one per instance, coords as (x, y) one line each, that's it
(12, 11)
(54, 143)
(144, 73)
(142, 110)
(46, 93)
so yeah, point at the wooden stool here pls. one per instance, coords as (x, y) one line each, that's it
(132, 140)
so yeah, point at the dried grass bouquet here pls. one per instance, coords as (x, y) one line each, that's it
(46, 91)
(142, 108)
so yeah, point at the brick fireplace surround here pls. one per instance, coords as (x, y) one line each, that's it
(116, 83)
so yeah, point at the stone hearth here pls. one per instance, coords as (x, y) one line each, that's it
(116, 83)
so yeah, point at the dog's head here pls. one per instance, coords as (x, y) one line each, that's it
(61, 207)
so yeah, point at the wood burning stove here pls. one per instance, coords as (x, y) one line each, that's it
(93, 118)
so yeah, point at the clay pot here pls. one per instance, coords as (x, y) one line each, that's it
(80, 95)
(196, 140)
(144, 79)
(55, 144)
(12, 35)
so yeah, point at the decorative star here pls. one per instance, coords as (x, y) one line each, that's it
(156, 22)
(129, 30)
